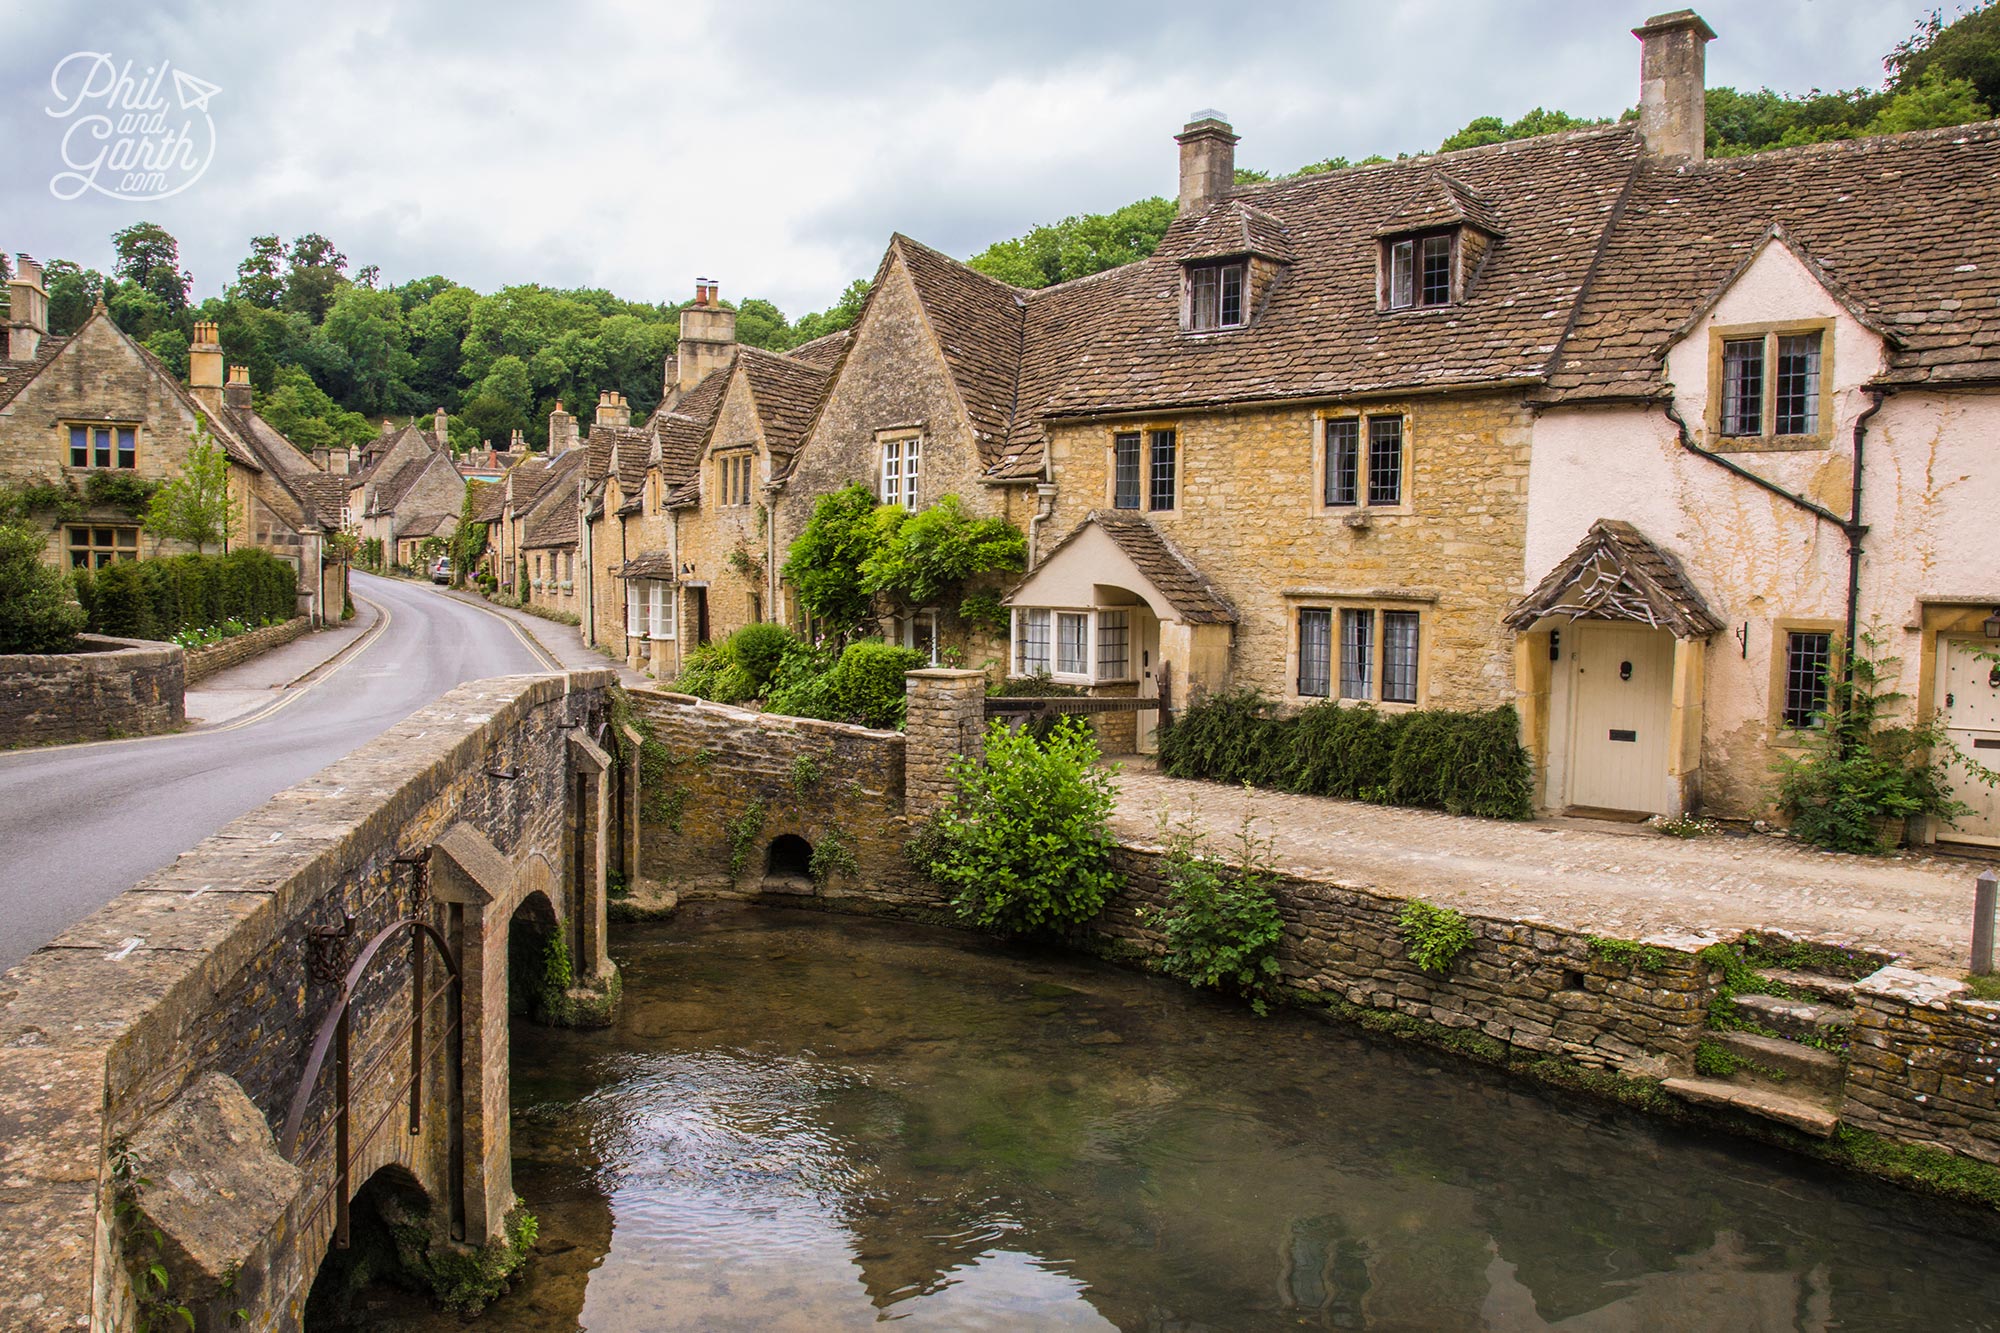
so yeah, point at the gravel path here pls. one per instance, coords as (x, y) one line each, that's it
(1607, 879)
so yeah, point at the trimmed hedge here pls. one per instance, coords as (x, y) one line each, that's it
(156, 599)
(1467, 763)
(864, 686)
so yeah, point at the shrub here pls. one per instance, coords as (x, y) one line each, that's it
(758, 649)
(1221, 921)
(157, 599)
(1023, 841)
(1234, 737)
(798, 687)
(1339, 751)
(36, 613)
(1434, 936)
(699, 670)
(864, 686)
(1465, 763)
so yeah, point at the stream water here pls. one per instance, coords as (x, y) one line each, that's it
(812, 1122)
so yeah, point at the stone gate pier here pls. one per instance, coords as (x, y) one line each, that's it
(206, 1073)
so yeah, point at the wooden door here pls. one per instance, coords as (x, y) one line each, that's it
(1622, 704)
(1147, 729)
(1972, 723)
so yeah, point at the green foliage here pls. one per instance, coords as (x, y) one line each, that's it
(982, 610)
(831, 856)
(1629, 953)
(1933, 101)
(1713, 1060)
(1078, 246)
(824, 562)
(924, 555)
(194, 506)
(37, 612)
(743, 832)
(1802, 956)
(1221, 920)
(1860, 773)
(710, 672)
(1434, 936)
(1023, 841)
(759, 648)
(117, 490)
(1469, 763)
(61, 500)
(1966, 49)
(864, 686)
(156, 599)
(465, 1279)
(551, 997)
(143, 1248)
(806, 775)
(1491, 129)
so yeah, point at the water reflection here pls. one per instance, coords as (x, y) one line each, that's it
(810, 1123)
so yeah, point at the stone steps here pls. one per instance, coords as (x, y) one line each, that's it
(1812, 985)
(1783, 1066)
(1804, 1113)
(1795, 1019)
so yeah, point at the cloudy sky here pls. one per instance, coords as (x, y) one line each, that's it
(638, 144)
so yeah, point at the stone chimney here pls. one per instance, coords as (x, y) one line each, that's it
(562, 431)
(27, 310)
(708, 337)
(1673, 79)
(612, 409)
(236, 389)
(205, 364)
(1208, 161)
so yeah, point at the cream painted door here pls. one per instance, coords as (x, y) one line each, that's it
(1972, 722)
(1147, 741)
(1623, 700)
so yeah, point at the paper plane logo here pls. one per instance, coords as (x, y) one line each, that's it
(124, 136)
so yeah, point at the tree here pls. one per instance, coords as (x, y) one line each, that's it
(304, 414)
(260, 278)
(73, 293)
(824, 562)
(37, 613)
(1968, 48)
(841, 315)
(1078, 246)
(367, 328)
(1932, 101)
(1491, 129)
(318, 272)
(149, 257)
(922, 557)
(195, 507)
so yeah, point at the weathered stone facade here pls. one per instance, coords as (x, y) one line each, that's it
(125, 687)
(1251, 516)
(722, 531)
(1922, 1063)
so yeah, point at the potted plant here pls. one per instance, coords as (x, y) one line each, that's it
(1863, 777)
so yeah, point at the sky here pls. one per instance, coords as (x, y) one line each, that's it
(772, 147)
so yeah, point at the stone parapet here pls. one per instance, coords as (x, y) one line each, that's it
(205, 661)
(1922, 1061)
(119, 687)
(946, 719)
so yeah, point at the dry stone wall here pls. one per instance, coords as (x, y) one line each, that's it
(125, 687)
(205, 662)
(1922, 1061)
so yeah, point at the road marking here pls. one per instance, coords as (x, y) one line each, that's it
(520, 632)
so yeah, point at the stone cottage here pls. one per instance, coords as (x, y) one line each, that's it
(405, 487)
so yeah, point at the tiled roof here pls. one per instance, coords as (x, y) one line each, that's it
(16, 375)
(326, 495)
(979, 324)
(1905, 228)
(1443, 202)
(551, 517)
(651, 565)
(787, 393)
(1615, 573)
(556, 527)
(822, 352)
(684, 430)
(1230, 228)
(489, 501)
(1173, 575)
(427, 525)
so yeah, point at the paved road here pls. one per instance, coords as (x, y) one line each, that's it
(80, 824)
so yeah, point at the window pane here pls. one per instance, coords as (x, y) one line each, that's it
(1357, 654)
(1399, 657)
(1798, 385)
(1125, 469)
(100, 439)
(1203, 299)
(1315, 652)
(1072, 642)
(1437, 270)
(1385, 460)
(635, 611)
(1343, 461)
(1034, 629)
(892, 472)
(1232, 296)
(1402, 274)
(1162, 491)
(1114, 640)
(913, 450)
(662, 610)
(1743, 387)
(79, 447)
(1807, 657)
(128, 447)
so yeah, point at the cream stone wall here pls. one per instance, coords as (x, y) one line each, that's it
(1765, 567)
(728, 545)
(1250, 516)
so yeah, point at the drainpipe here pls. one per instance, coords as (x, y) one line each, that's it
(1045, 504)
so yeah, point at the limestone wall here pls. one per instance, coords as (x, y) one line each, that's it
(1922, 1062)
(205, 662)
(192, 1000)
(129, 687)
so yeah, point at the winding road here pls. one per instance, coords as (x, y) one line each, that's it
(80, 824)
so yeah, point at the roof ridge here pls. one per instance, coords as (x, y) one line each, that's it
(1860, 143)
(898, 237)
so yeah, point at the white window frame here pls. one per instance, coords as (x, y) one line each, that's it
(1205, 284)
(1403, 270)
(902, 469)
(660, 610)
(907, 632)
(1094, 623)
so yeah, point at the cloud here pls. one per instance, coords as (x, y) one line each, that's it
(636, 145)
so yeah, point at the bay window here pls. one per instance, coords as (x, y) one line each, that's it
(1085, 646)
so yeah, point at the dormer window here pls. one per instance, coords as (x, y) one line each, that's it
(1215, 296)
(1419, 270)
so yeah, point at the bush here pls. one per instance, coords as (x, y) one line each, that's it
(158, 599)
(1434, 936)
(699, 670)
(1468, 763)
(1023, 841)
(1221, 921)
(865, 686)
(36, 613)
(758, 649)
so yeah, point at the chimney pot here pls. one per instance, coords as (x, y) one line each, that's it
(1208, 160)
(27, 310)
(205, 359)
(1673, 97)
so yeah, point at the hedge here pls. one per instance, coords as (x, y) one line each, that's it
(156, 599)
(1467, 763)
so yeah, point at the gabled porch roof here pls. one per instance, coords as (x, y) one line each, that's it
(1153, 569)
(1617, 574)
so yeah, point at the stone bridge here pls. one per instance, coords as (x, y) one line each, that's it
(206, 1074)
